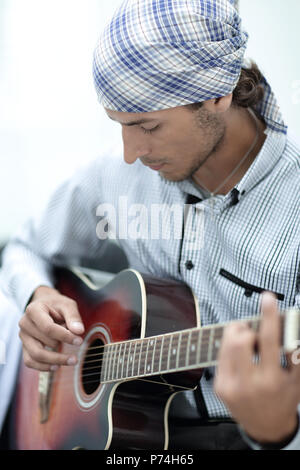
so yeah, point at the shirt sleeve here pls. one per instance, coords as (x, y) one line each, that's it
(294, 444)
(64, 234)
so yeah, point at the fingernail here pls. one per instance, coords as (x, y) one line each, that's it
(77, 341)
(268, 298)
(76, 325)
(72, 361)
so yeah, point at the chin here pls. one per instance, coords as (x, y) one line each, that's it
(174, 178)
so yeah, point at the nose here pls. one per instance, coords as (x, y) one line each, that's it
(135, 144)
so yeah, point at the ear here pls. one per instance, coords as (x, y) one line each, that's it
(219, 105)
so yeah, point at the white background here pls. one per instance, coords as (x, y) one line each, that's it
(50, 120)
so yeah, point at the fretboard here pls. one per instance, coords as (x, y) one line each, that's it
(194, 348)
(174, 352)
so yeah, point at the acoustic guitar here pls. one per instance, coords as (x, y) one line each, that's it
(142, 345)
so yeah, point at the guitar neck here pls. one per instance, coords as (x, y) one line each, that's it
(195, 348)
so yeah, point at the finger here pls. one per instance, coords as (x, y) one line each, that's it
(39, 314)
(72, 317)
(235, 360)
(269, 332)
(237, 348)
(29, 328)
(29, 362)
(37, 354)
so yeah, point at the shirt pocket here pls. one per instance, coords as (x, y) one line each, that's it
(249, 289)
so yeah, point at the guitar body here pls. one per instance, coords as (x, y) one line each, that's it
(71, 408)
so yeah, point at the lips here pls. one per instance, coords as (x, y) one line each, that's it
(156, 167)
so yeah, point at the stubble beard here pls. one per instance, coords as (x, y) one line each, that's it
(214, 130)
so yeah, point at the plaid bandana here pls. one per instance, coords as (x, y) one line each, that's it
(160, 54)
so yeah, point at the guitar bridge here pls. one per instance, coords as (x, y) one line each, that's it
(45, 381)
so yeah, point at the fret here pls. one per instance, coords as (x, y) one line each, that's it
(115, 362)
(199, 344)
(104, 364)
(137, 361)
(187, 352)
(143, 363)
(108, 359)
(193, 339)
(183, 349)
(204, 345)
(161, 354)
(129, 357)
(153, 355)
(157, 354)
(132, 359)
(169, 352)
(149, 356)
(165, 353)
(124, 359)
(119, 360)
(216, 343)
(178, 349)
(112, 362)
(108, 362)
(173, 352)
(210, 344)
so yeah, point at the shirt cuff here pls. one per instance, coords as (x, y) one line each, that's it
(26, 291)
(293, 444)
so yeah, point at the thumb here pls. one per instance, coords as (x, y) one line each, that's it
(73, 318)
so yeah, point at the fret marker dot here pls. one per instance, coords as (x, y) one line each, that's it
(193, 347)
(148, 368)
(174, 351)
(151, 342)
(130, 358)
(217, 343)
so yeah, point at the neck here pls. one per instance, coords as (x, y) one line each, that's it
(184, 350)
(242, 130)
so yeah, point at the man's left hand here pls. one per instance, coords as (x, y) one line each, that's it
(261, 395)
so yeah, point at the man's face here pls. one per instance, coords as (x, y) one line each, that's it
(176, 142)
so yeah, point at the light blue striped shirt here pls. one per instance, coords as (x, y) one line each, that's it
(236, 249)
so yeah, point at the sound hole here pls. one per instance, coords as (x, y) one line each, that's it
(91, 369)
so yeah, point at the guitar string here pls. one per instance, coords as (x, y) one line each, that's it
(165, 371)
(143, 342)
(68, 381)
(189, 365)
(202, 331)
(143, 353)
(140, 359)
(153, 352)
(111, 356)
(65, 385)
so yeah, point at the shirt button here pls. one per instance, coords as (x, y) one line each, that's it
(248, 292)
(189, 265)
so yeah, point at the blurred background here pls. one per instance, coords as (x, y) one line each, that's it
(50, 120)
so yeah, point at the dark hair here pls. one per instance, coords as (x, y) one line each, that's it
(249, 90)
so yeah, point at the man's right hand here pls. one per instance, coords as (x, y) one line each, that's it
(49, 319)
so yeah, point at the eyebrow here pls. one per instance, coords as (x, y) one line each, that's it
(132, 123)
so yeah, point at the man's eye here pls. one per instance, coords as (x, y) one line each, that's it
(149, 131)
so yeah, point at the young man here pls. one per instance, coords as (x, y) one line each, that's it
(203, 132)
